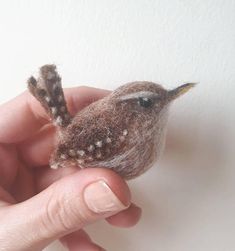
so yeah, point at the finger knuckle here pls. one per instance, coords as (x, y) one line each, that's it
(57, 216)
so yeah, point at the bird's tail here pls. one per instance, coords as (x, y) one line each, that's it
(47, 89)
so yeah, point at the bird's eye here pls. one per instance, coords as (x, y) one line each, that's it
(145, 102)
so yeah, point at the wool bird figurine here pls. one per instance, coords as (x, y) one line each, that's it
(124, 131)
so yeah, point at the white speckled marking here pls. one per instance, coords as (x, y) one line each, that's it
(99, 143)
(90, 158)
(63, 156)
(81, 152)
(108, 140)
(80, 161)
(59, 120)
(90, 148)
(72, 153)
(125, 132)
(54, 166)
(47, 99)
(53, 110)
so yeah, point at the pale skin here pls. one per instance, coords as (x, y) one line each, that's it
(35, 200)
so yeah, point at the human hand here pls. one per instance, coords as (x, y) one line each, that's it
(39, 205)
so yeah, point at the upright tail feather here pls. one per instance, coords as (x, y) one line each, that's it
(47, 89)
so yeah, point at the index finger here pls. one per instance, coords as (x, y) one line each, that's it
(23, 116)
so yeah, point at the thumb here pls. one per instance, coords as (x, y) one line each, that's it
(64, 207)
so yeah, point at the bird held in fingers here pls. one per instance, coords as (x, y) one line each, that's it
(124, 131)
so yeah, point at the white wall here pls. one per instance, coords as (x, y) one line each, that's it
(189, 199)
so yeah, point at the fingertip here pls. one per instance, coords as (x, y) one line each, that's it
(79, 240)
(127, 218)
(117, 184)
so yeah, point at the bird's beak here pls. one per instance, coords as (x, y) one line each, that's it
(175, 93)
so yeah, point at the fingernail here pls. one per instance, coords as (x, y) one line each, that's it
(100, 198)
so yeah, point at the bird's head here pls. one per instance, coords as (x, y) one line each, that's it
(146, 98)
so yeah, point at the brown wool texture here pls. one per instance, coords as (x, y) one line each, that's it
(125, 131)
